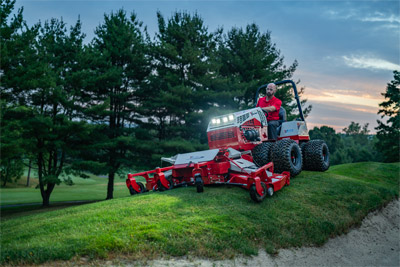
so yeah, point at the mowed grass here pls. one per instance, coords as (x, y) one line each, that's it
(220, 223)
(90, 189)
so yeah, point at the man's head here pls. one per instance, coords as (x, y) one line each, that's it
(271, 89)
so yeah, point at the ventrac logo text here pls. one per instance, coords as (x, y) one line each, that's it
(288, 131)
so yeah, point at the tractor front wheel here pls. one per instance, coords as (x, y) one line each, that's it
(255, 196)
(262, 153)
(286, 155)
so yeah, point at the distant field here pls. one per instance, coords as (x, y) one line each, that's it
(93, 188)
(219, 223)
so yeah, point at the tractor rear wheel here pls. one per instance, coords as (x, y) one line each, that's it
(316, 156)
(286, 155)
(255, 196)
(162, 188)
(262, 153)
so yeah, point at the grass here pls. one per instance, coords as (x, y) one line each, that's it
(90, 189)
(219, 223)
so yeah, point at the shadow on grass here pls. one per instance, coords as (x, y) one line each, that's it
(17, 210)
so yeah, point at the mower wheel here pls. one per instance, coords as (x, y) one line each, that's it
(132, 191)
(142, 188)
(200, 187)
(255, 196)
(262, 153)
(286, 155)
(162, 188)
(316, 156)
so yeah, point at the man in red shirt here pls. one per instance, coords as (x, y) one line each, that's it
(271, 105)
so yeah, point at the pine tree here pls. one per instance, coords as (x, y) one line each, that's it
(117, 66)
(180, 91)
(249, 59)
(37, 87)
(389, 133)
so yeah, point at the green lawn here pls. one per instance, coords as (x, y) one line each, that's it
(92, 188)
(219, 223)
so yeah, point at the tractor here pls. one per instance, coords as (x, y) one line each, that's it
(240, 154)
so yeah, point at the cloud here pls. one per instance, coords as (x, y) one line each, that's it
(370, 63)
(338, 115)
(385, 20)
(351, 99)
(380, 17)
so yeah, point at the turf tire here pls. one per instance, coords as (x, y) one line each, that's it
(262, 153)
(286, 155)
(316, 156)
(255, 196)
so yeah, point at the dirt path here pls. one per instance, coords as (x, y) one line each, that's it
(375, 243)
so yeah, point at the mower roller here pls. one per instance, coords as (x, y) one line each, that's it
(240, 154)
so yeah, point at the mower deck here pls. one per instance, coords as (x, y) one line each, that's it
(215, 166)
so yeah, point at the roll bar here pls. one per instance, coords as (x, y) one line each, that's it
(296, 95)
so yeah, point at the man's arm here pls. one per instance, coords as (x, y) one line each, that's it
(269, 109)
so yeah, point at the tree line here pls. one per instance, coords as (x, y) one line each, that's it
(124, 99)
(356, 144)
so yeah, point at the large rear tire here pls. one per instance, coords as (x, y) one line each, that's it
(316, 156)
(286, 155)
(255, 196)
(262, 153)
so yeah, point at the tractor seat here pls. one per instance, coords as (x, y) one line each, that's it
(282, 118)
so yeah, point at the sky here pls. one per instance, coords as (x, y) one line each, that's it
(346, 50)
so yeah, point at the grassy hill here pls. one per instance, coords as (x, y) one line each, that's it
(219, 223)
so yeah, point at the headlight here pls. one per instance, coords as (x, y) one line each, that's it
(218, 121)
(213, 121)
(225, 119)
(231, 117)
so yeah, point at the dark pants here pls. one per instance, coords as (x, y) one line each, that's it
(273, 130)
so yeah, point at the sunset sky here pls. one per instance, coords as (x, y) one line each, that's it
(346, 50)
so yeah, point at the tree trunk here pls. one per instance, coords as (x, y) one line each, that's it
(29, 173)
(110, 186)
(46, 200)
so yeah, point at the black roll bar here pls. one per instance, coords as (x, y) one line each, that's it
(296, 95)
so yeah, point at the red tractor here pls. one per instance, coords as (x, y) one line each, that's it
(241, 154)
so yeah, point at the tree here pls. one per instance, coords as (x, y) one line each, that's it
(389, 133)
(179, 91)
(117, 66)
(250, 59)
(11, 44)
(11, 162)
(39, 87)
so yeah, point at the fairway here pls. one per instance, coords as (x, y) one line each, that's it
(92, 188)
(220, 223)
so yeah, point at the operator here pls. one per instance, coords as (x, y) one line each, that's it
(271, 105)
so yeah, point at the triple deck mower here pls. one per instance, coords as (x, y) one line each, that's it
(240, 154)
